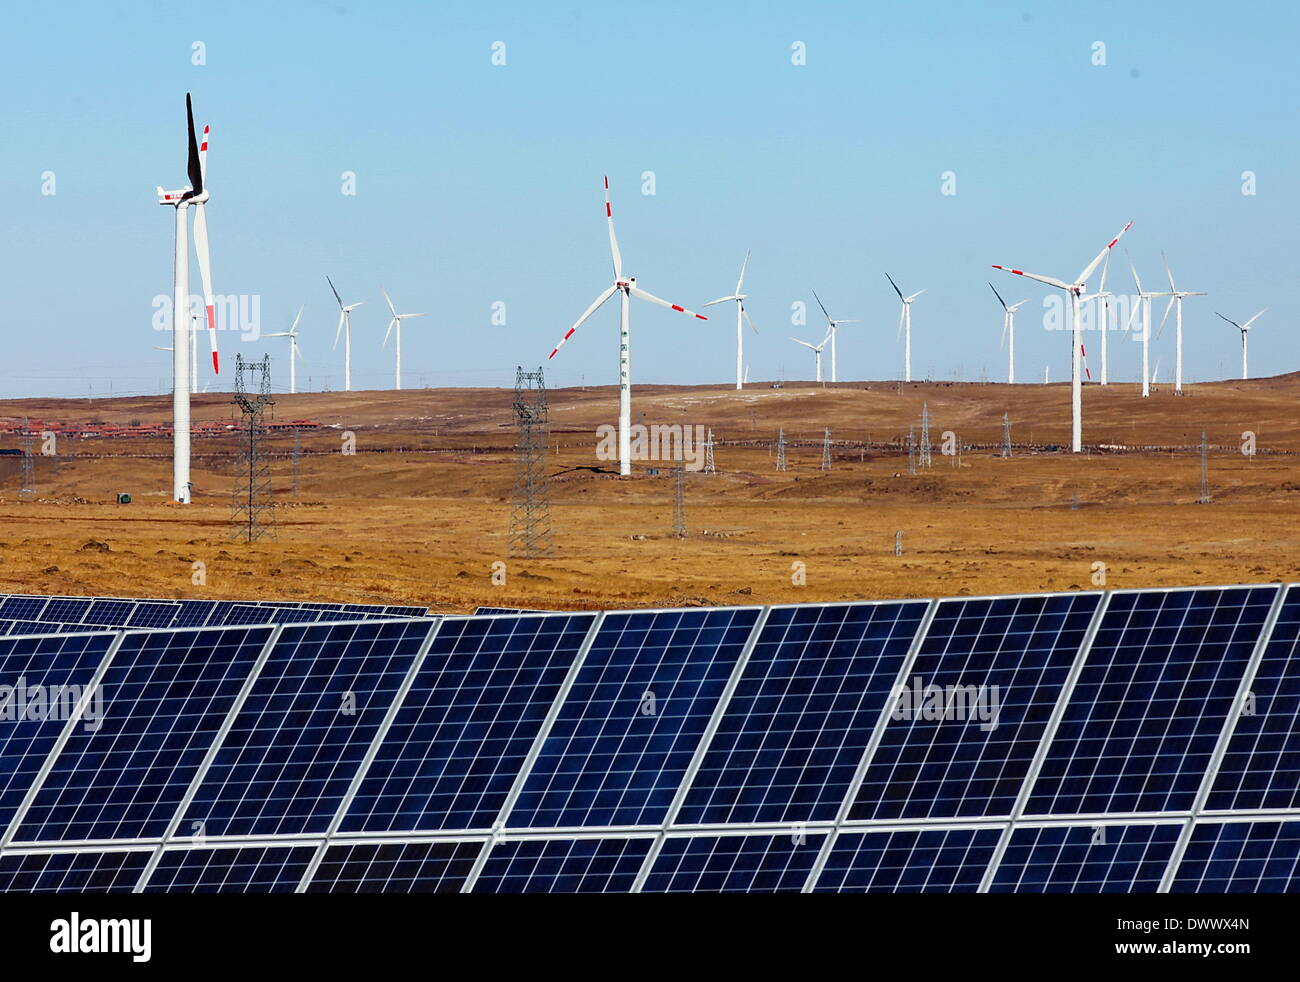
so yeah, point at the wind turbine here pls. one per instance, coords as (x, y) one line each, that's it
(1144, 300)
(195, 196)
(294, 354)
(1243, 328)
(396, 322)
(345, 326)
(1104, 296)
(1008, 332)
(1176, 301)
(626, 286)
(905, 325)
(832, 329)
(816, 350)
(1074, 290)
(739, 298)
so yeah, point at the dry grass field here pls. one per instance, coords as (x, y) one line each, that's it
(421, 511)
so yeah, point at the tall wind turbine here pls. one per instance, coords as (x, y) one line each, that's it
(1074, 290)
(396, 322)
(1244, 329)
(345, 326)
(905, 326)
(195, 196)
(832, 326)
(739, 298)
(626, 286)
(1176, 301)
(294, 355)
(1144, 300)
(817, 352)
(1008, 332)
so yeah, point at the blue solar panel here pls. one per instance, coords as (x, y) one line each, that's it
(295, 745)
(167, 694)
(1145, 715)
(23, 607)
(193, 613)
(930, 861)
(65, 610)
(1261, 768)
(563, 866)
(472, 714)
(795, 728)
(734, 864)
(154, 615)
(1083, 859)
(1241, 857)
(32, 670)
(69, 872)
(17, 628)
(109, 613)
(261, 869)
(425, 867)
(630, 724)
(963, 747)
(267, 614)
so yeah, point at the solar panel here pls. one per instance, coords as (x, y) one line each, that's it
(154, 615)
(1147, 710)
(1084, 859)
(21, 607)
(563, 866)
(797, 724)
(423, 867)
(65, 610)
(259, 869)
(972, 712)
(293, 748)
(629, 726)
(465, 727)
(71, 872)
(33, 670)
(927, 861)
(109, 613)
(734, 863)
(167, 693)
(264, 614)
(1261, 768)
(1240, 857)
(193, 613)
(487, 611)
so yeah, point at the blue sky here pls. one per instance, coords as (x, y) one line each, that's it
(479, 183)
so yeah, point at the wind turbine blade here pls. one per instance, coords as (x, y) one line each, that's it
(1105, 268)
(296, 318)
(205, 272)
(638, 292)
(613, 239)
(915, 295)
(1049, 280)
(194, 166)
(390, 301)
(203, 154)
(1005, 317)
(806, 344)
(720, 300)
(821, 305)
(339, 333)
(278, 334)
(895, 286)
(745, 313)
(1133, 269)
(847, 320)
(336, 292)
(741, 282)
(609, 292)
(902, 313)
(1092, 266)
(998, 295)
(1229, 320)
(391, 324)
(1168, 307)
(1168, 272)
(404, 316)
(1252, 320)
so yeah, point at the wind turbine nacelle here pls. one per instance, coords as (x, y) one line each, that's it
(171, 197)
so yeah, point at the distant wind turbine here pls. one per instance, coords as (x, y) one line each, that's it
(817, 352)
(905, 326)
(345, 327)
(294, 354)
(396, 322)
(1144, 301)
(739, 299)
(832, 325)
(1244, 329)
(1009, 332)
(1176, 301)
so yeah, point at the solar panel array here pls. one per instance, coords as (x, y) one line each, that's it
(1125, 741)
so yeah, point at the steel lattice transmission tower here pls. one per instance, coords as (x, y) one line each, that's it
(826, 450)
(530, 511)
(709, 467)
(1006, 434)
(780, 450)
(251, 515)
(1205, 497)
(924, 455)
(28, 489)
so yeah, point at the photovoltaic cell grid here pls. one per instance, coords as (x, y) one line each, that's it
(309, 718)
(1261, 768)
(1148, 708)
(972, 712)
(465, 727)
(929, 861)
(72, 872)
(629, 726)
(563, 866)
(420, 867)
(1080, 859)
(1241, 857)
(166, 695)
(734, 863)
(264, 869)
(796, 727)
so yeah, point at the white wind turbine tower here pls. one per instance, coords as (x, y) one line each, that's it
(1009, 332)
(396, 322)
(1244, 329)
(817, 352)
(294, 354)
(1074, 290)
(832, 329)
(905, 326)
(739, 298)
(1176, 301)
(345, 327)
(1104, 296)
(626, 286)
(195, 196)
(1144, 300)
